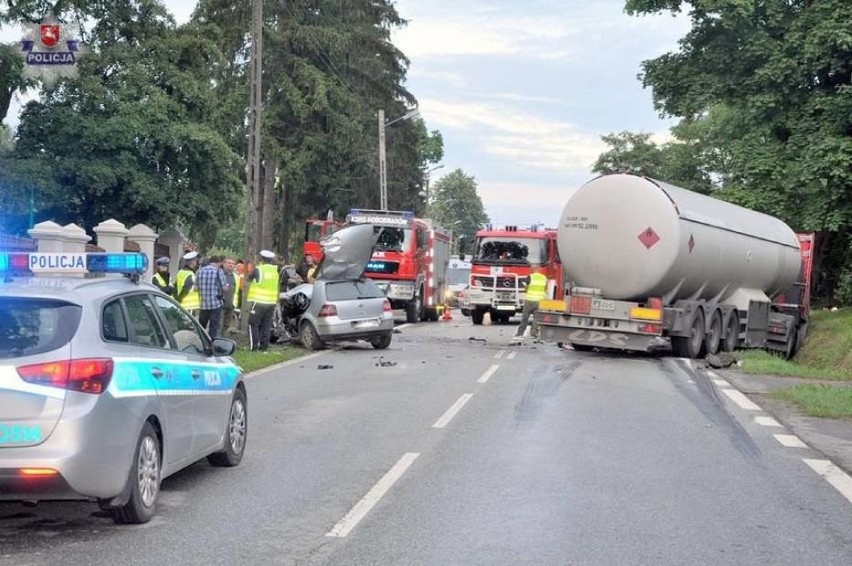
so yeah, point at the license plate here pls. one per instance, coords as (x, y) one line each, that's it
(506, 308)
(603, 305)
(367, 323)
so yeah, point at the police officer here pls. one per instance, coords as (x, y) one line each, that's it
(536, 291)
(262, 297)
(186, 290)
(161, 279)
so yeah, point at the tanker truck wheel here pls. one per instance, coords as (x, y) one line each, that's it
(477, 316)
(732, 333)
(691, 346)
(714, 336)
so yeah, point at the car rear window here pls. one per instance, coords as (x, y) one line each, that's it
(352, 290)
(35, 326)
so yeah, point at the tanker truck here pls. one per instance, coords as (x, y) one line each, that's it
(650, 266)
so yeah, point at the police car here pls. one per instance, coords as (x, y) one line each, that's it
(107, 386)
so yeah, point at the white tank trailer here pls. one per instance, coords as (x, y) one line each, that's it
(649, 262)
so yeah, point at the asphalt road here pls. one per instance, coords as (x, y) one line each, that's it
(471, 452)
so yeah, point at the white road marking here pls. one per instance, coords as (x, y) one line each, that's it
(839, 479)
(741, 400)
(511, 355)
(351, 520)
(790, 440)
(401, 326)
(721, 383)
(713, 374)
(452, 411)
(488, 373)
(766, 421)
(499, 354)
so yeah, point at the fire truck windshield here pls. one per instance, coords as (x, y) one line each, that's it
(394, 240)
(518, 251)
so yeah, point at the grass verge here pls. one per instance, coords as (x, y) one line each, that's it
(827, 353)
(817, 400)
(251, 361)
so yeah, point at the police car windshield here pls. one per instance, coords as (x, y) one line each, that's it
(34, 326)
(458, 276)
(394, 240)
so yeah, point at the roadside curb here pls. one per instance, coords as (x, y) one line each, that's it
(282, 365)
(832, 437)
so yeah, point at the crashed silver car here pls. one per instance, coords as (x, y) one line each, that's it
(341, 304)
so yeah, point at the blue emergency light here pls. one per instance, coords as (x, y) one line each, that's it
(72, 263)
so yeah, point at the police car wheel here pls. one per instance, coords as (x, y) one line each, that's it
(145, 476)
(235, 435)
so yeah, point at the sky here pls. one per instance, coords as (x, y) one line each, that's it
(522, 90)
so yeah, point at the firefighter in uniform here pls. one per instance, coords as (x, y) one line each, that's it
(186, 290)
(161, 279)
(262, 297)
(536, 291)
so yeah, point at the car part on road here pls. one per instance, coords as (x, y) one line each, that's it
(474, 339)
(381, 342)
(384, 364)
(325, 366)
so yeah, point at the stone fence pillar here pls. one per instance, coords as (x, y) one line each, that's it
(111, 234)
(49, 237)
(145, 237)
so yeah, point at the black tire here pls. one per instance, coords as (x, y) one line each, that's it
(235, 438)
(478, 316)
(713, 339)
(691, 346)
(432, 315)
(582, 347)
(309, 337)
(145, 475)
(732, 333)
(790, 347)
(412, 310)
(381, 342)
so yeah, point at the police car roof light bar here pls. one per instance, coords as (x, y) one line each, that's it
(131, 264)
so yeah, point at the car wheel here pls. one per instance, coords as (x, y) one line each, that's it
(309, 337)
(235, 441)
(412, 310)
(381, 342)
(145, 475)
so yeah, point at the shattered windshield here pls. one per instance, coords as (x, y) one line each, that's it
(394, 240)
(519, 251)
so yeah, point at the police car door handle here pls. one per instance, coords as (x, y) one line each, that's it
(196, 374)
(157, 372)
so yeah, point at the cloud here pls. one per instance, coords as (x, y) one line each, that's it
(515, 135)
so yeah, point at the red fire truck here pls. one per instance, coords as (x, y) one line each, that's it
(500, 269)
(409, 262)
(315, 229)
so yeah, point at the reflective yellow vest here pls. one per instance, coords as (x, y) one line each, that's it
(537, 289)
(160, 280)
(192, 301)
(264, 291)
(238, 283)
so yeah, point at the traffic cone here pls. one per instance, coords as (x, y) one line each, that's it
(448, 314)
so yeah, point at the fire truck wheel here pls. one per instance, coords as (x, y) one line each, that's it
(412, 309)
(432, 315)
(477, 316)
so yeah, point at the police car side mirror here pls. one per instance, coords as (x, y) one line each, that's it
(223, 346)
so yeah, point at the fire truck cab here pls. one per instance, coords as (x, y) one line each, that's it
(500, 269)
(410, 261)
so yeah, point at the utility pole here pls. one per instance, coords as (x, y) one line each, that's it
(383, 164)
(253, 157)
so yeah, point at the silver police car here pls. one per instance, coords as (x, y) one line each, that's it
(107, 386)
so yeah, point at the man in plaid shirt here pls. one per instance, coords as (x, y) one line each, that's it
(212, 285)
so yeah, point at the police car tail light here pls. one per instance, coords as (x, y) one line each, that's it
(327, 310)
(86, 375)
(37, 472)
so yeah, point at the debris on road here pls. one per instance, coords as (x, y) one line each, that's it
(475, 339)
(721, 360)
(325, 366)
(383, 363)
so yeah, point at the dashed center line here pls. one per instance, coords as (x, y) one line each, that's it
(511, 355)
(452, 411)
(766, 421)
(499, 354)
(488, 373)
(790, 440)
(741, 400)
(351, 520)
(839, 479)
